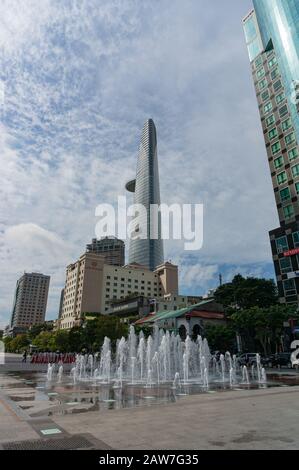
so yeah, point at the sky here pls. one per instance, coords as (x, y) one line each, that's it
(78, 78)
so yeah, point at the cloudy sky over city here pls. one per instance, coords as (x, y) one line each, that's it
(78, 80)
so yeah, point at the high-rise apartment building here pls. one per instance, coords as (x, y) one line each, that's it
(272, 37)
(146, 249)
(92, 285)
(30, 301)
(112, 248)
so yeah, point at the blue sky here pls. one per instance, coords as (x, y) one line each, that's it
(79, 79)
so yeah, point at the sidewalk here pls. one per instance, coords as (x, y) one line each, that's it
(256, 419)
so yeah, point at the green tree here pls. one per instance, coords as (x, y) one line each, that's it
(75, 339)
(244, 293)
(147, 330)
(7, 343)
(264, 325)
(94, 331)
(220, 337)
(60, 341)
(35, 330)
(19, 343)
(44, 341)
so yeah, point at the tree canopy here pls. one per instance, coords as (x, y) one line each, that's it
(88, 337)
(265, 325)
(244, 293)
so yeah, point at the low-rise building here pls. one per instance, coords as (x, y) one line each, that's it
(91, 285)
(187, 321)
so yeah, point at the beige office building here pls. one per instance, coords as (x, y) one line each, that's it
(91, 285)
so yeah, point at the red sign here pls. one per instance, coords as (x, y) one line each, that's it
(291, 252)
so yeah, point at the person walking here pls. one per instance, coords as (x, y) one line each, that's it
(24, 356)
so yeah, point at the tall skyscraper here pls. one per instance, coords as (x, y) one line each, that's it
(112, 248)
(147, 251)
(272, 37)
(30, 301)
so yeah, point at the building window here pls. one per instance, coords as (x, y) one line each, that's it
(262, 84)
(290, 139)
(265, 96)
(285, 194)
(275, 73)
(272, 62)
(259, 61)
(286, 124)
(297, 187)
(293, 154)
(282, 177)
(277, 86)
(283, 110)
(296, 239)
(273, 133)
(285, 265)
(276, 148)
(270, 120)
(260, 73)
(289, 287)
(295, 171)
(268, 107)
(278, 162)
(288, 211)
(279, 98)
(282, 244)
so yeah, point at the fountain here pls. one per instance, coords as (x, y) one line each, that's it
(60, 374)
(160, 360)
(206, 378)
(222, 367)
(50, 371)
(133, 362)
(263, 376)
(73, 375)
(245, 376)
(177, 381)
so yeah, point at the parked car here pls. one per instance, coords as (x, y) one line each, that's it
(280, 360)
(247, 359)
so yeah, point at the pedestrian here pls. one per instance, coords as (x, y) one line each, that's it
(24, 356)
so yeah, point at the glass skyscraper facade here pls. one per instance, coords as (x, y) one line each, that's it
(146, 244)
(272, 37)
(278, 22)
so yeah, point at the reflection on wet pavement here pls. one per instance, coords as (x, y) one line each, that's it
(33, 394)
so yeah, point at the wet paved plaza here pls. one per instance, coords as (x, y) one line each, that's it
(134, 416)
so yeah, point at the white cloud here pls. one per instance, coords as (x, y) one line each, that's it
(80, 79)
